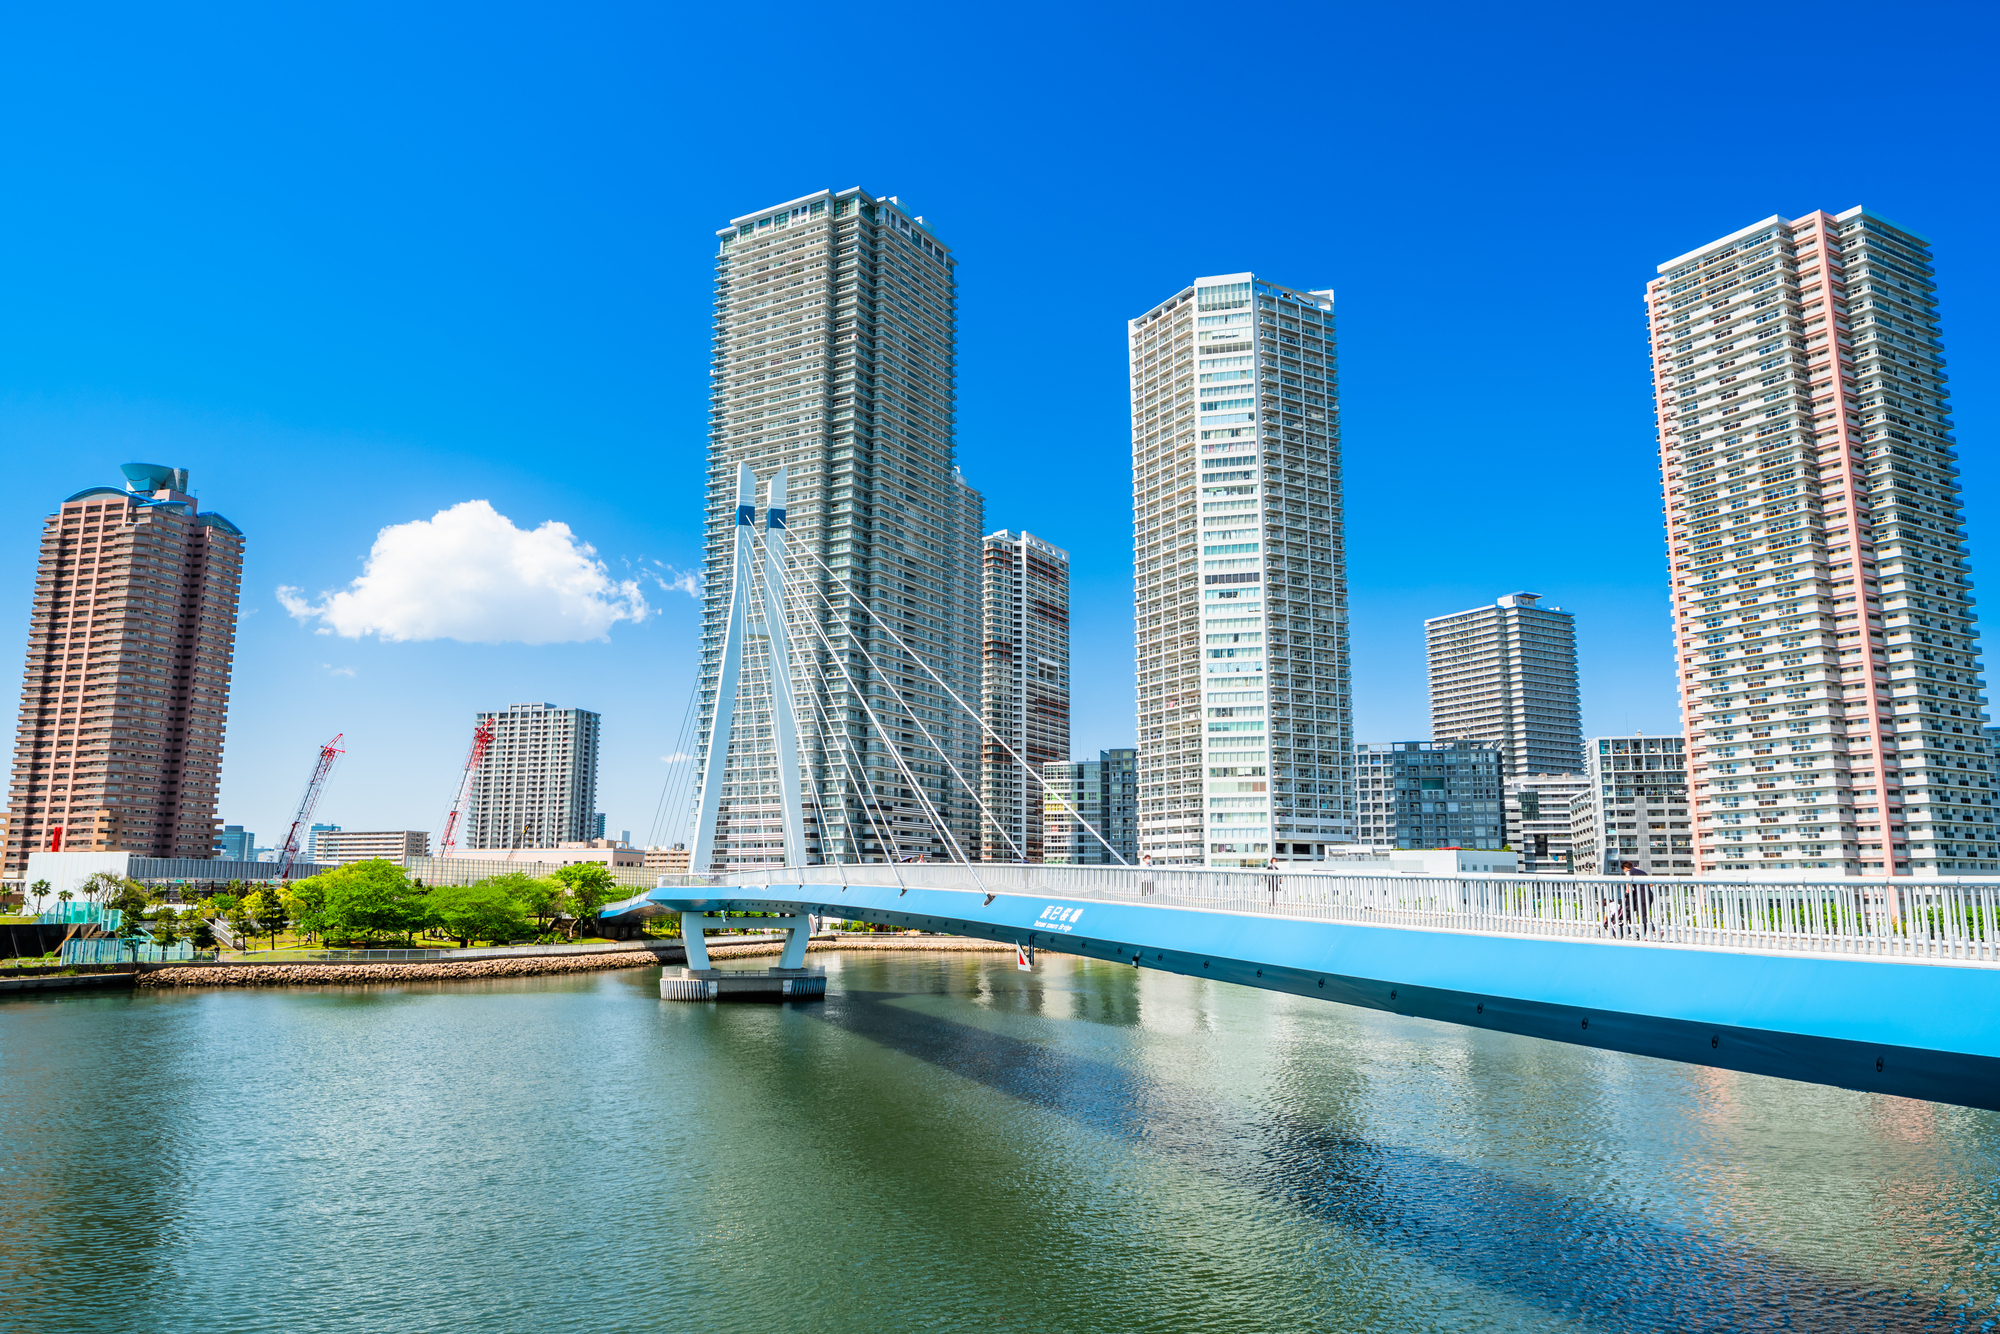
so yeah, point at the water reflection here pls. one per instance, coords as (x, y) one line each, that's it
(944, 1143)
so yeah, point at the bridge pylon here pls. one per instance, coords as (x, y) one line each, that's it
(740, 627)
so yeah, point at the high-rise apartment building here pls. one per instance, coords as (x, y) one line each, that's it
(1631, 817)
(1024, 687)
(119, 741)
(1822, 598)
(1507, 674)
(537, 785)
(835, 337)
(1086, 795)
(1539, 822)
(1240, 575)
(1430, 794)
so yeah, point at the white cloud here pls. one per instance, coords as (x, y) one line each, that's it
(468, 573)
(690, 582)
(332, 670)
(678, 757)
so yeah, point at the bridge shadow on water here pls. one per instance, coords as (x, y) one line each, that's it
(1577, 1258)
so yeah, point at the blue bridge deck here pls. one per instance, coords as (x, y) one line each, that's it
(1883, 987)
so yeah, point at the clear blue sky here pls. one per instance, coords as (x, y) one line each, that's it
(355, 265)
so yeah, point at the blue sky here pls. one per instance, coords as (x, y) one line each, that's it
(357, 265)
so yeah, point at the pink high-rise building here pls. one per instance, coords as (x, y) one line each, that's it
(1821, 594)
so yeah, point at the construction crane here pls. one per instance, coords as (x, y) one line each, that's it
(482, 737)
(301, 822)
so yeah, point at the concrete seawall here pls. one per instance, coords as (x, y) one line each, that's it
(442, 970)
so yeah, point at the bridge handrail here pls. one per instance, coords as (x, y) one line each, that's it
(1896, 918)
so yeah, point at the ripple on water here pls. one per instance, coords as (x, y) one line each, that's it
(945, 1143)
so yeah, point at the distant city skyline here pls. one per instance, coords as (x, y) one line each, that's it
(458, 289)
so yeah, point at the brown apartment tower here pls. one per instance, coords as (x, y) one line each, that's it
(119, 745)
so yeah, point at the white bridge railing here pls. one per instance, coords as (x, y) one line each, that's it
(1915, 919)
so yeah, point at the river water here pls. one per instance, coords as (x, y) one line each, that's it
(945, 1143)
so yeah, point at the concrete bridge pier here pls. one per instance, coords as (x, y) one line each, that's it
(701, 981)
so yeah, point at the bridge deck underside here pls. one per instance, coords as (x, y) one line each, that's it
(1913, 1029)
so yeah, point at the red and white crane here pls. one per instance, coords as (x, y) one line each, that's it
(302, 821)
(482, 737)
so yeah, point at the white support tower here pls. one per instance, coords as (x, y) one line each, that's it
(784, 719)
(742, 590)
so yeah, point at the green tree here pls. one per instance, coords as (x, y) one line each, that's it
(539, 899)
(587, 886)
(267, 909)
(166, 928)
(40, 889)
(305, 902)
(202, 933)
(369, 900)
(486, 910)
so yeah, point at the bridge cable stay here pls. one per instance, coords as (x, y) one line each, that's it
(951, 839)
(723, 721)
(871, 801)
(943, 755)
(680, 771)
(894, 754)
(970, 712)
(864, 789)
(841, 752)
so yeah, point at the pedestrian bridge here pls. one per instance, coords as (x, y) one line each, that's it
(1882, 986)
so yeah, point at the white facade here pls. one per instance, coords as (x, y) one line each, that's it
(1828, 652)
(834, 353)
(1631, 818)
(339, 846)
(1540, 823)
(1240, 578)
(537, 784)
(1507, 674)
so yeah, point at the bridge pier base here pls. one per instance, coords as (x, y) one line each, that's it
(790, 980)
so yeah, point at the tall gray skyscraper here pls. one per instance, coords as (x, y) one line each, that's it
(1507, 674)
(1024, 693)
(1239, 575)
(835, 333)
(537, 785)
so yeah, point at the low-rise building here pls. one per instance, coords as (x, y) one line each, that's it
(340, 846)
(668, 861)
(190, 877)
(601, 850)
(1429, 794)
(1632, 818)
(1538, 820)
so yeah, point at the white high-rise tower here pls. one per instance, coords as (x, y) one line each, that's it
(1240, 576)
